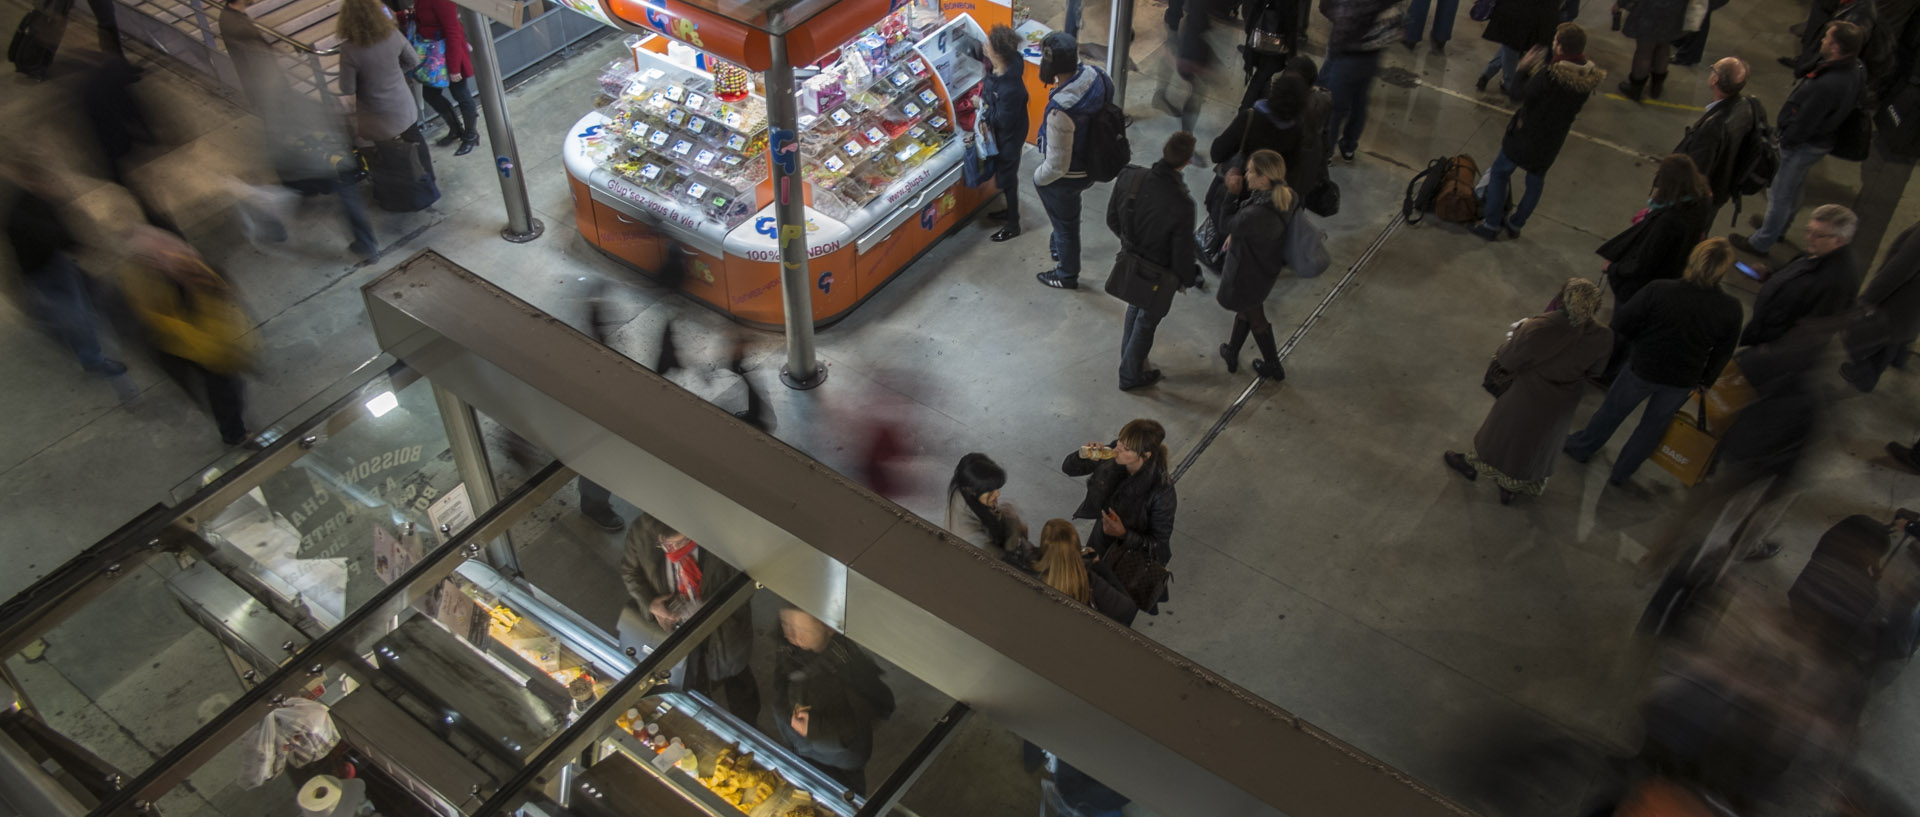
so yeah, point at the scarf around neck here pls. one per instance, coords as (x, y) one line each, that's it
(683, 563)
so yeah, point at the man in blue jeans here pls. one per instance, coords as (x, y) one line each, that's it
(1353, 58)
(1077, 91)
(1551, 93)
(55, 288)
(1443, 13)
(1808, 123)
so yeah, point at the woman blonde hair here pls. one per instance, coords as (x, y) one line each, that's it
(364, 23)
(1709, 262)
(1060, 563)
(1273, 166)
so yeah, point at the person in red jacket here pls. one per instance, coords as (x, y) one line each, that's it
(440, 20)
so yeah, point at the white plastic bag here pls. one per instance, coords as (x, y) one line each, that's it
(299, 732)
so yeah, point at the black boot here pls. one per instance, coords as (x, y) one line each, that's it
(1230, 351)
(469, 129)
(454, 134)
(1268, 366)
(1658, 84)
(1632, 86)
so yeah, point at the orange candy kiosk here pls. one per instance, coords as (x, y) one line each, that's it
(678, 145)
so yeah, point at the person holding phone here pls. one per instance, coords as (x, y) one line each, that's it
(1130, 491)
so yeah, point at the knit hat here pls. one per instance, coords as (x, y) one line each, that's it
(1286, 96)
(1059, 55)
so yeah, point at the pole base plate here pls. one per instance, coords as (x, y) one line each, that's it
(819, 377)
(535, 228)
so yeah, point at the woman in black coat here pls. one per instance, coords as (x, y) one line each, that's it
(1656, 246)
(1653, 25)
(1003, 95)
(1130, 490)
(1256, 253)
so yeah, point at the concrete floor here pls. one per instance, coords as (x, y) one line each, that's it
(1325, 560)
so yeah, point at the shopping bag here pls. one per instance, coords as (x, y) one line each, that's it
(975, 170)
(298, 732)
(1730, 394)
(1687, 448)
(432, 70)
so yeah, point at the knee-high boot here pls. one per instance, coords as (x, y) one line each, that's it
(1268, 366)
(1230, 351)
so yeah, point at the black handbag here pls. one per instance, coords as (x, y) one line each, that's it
(1143, 579)
(1134, 279)
(1324, 201)
(1212, 244)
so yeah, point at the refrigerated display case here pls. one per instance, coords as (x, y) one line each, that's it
(678, 145)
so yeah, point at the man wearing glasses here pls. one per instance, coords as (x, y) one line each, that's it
(1817, 283)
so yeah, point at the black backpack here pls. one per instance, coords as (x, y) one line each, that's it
(1758, 159)
(1108, 151)
(1423, 191)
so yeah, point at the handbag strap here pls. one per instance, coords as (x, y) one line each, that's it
(1702, 417)
(1133, 194)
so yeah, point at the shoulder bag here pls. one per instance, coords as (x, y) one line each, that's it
(1134, 279)
(1141, 578)
(432, 70)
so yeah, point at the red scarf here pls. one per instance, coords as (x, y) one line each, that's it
(686, 570)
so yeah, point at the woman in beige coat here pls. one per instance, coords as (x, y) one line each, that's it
(1550, 356)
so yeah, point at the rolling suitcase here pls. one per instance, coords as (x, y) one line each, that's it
(1839, 594)
(402, 175)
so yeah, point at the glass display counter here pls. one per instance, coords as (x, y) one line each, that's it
(677, 148)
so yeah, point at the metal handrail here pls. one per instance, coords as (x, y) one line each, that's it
(328, 52)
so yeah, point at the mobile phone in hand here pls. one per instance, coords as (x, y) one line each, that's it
(1749, 270)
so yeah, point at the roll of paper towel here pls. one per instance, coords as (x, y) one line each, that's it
(320, 795)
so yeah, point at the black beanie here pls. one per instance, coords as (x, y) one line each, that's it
(1287, 96)
(1059, 55)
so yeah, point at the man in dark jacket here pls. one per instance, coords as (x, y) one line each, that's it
(1819, 282)
(1550, 96)
(1890, 314)
(1681, 334)
(55, 288)
(1076, 92)
(668, 577)
(1152, 213)
(827, 694)
(1808, 123)
(1714, 140)
(1352, 61)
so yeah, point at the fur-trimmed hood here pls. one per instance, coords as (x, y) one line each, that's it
(1577, 76)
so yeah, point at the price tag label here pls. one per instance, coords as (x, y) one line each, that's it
(698, 125)
(929, 97)
(719, 202)
(731, 160)
(918, 133)
(654, 73)
(851, 147)
(834, 164)
(918, 66)
(657, 101)
(734, 119)
(639, 130)
(676, 116)
(695, 101)
(696, 190)
(906, 153)
(682, 147)
(659, 138)
(840, 118)
(876, 135)
(938, 122)
(675, 92)
(737, 142)
(650, 172)
(899, 79)
(705, 157)
(911, 109)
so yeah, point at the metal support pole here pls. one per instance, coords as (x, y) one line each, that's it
(1120, 42)
(521, 225)
(790, 216)
(470, 461)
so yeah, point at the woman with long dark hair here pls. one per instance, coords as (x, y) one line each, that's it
(1130, 492)
(974, 510)
(1003, 96)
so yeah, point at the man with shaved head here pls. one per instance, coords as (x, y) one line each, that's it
(1714, 140)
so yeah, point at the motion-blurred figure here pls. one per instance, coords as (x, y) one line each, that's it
(1888, 315)
(827, 694)
(118, 126)
(194, 323)
(1192, 61)
(757, 413)
(55, 288)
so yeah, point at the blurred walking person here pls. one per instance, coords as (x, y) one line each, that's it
(43, 247)
(194, 323)
(1548, 358)
(1444, 12)
(1888, 317)
(1518, 26)
(1353, 59)
(120, 128)
(1192, 60)
(1678, 336)
(1256, 252)
(1003, 97)
(1555, 88)
(1152, 214)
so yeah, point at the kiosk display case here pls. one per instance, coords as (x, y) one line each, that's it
(678, 148)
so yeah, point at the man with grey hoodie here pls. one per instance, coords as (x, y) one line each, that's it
(1077, 92)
